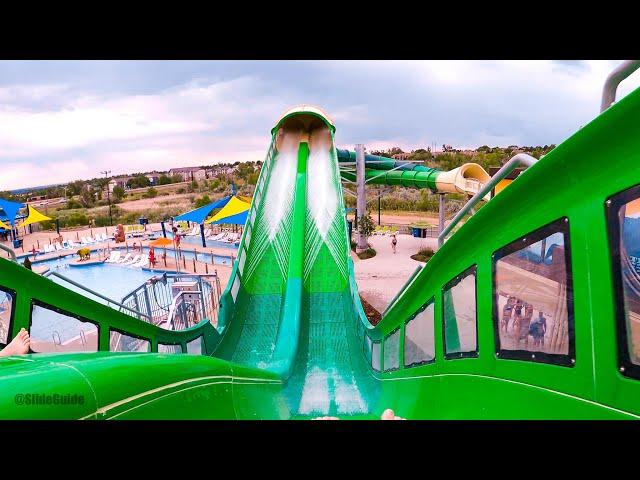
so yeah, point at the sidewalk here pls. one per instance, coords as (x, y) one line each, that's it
(381, 277)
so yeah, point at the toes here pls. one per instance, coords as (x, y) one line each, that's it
(387, 414)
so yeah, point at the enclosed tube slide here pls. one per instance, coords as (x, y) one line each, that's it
(468, 178)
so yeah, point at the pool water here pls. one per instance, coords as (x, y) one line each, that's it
(113, 281)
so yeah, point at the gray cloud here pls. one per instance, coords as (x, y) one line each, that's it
(128, 116)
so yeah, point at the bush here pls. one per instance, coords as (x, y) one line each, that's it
(181, 190)
(201, 202)
(424, 254)
(150, 193)
(73, 204)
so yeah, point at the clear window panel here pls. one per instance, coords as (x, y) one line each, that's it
(121, 342)
(6, 307)
(53, 331)
(169, 348)
(194, 347)
(419, 338)
(532, 297)
(629, 217)
(459, 310)
(392, 351)
(375, 356)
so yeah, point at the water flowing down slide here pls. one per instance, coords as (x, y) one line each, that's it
(290, 307)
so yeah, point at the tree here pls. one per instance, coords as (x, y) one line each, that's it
(366, 225)
(164, 180)
(118, 192)
(139, 181)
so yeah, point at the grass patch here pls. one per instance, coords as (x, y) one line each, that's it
(423, 255)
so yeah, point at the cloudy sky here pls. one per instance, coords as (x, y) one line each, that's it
(63, 121)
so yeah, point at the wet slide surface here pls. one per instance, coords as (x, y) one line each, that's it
(293, 312)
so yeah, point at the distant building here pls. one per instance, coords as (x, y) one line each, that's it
(189, 173)
(401, 156)
(118, 182)
(154, 177)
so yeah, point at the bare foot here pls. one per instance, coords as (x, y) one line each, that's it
(18, 346)
(389, 414)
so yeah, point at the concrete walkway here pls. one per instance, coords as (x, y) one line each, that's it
(381, 277)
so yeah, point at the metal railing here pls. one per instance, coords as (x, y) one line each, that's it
(156, 299)
(110, 302)
(10, 251)
(507, 168)
(618, 74)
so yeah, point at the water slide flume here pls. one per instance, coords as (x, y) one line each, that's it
(468, 178)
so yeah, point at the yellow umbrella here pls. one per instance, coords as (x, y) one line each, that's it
(33, 217)
(161, 242)
(4, 225)
(233, 207)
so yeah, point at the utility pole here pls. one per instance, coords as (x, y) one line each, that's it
(361, 200)
(107, 172)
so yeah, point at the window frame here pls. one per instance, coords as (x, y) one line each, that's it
(61, 311)
(12, 316)
(380, 368)
(170, 345)
(202, 346)
(560, 225)
(473, 269)
(132, 335)
(431, 301)
(612, 207)
(383, 350)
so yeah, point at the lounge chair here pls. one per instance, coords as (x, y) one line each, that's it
(114, 257)
(57, 246)
(144, 261)
(131, 261)
(125, 258)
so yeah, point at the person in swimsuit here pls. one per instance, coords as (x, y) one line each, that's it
(506, 312)
(394, 242)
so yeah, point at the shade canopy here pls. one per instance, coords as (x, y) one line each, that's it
(10, 209)
(33, 216)
(237, 219)
(233, 208)
(199, 214)
(4, 225)
(161, 242)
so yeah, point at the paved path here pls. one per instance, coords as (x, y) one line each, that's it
(381, 277)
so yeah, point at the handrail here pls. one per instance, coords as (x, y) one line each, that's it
(507, 168)
(93, 292)
(618, 74)
(174, 306)
(11, 252)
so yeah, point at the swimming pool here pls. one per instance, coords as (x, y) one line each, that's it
(113, 281)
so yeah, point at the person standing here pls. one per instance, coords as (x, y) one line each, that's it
(394, 242)
(538, 330)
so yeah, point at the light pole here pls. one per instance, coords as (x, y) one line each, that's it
(107, 172)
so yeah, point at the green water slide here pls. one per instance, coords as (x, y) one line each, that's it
(292, 339)
(290, 305)
(467, 178)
